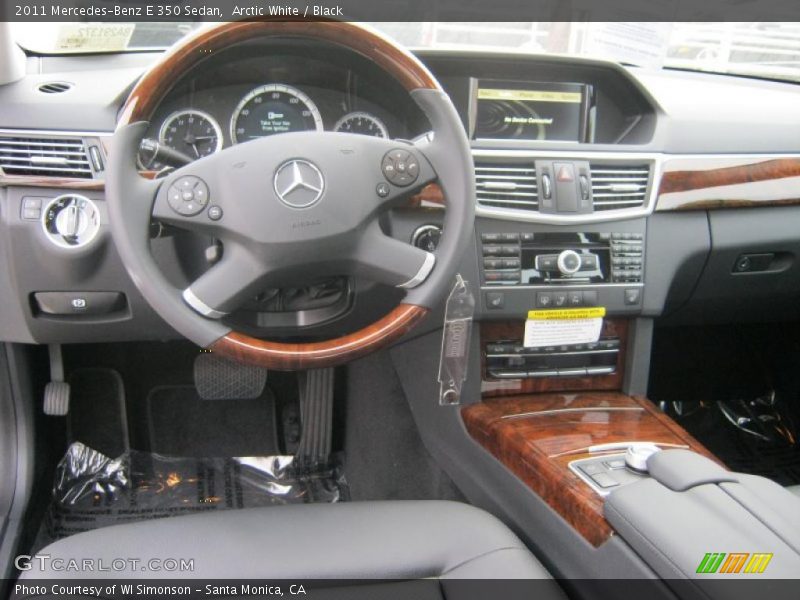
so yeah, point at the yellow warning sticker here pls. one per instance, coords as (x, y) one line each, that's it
(558, 314)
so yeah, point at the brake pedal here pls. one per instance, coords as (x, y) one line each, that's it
(219, 378)
(56, 392)
(316, 415)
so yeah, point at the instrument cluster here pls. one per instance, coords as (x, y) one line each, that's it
(201, 123)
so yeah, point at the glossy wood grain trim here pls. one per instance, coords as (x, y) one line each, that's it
(728, 182)
(291, 357)
(63, 183)
(493, 331)
(537, 436)
(431, 194)
(190, 51)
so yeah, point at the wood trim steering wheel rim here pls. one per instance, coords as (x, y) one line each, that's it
(193, 49)
(397, 62)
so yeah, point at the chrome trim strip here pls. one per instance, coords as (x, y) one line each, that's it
(200, 306)
(56, 133)
(422, 274)
(555, 287)
(558, 411)
(572, 353)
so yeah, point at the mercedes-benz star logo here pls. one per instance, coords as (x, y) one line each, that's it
(299, 183)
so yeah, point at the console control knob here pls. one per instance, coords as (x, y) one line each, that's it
(637, 454)
(569, 262)
(71, 221)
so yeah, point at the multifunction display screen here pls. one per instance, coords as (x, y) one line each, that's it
(509, 110)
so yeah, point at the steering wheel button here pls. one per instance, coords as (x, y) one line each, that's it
(187, 196)
(215, 213)
(412, 168)
(400, 166)
(382, 189)
(398, 155)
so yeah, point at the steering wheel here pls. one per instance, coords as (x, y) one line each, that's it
(303, 202)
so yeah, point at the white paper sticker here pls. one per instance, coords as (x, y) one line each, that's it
(560, 332)
(94, 37)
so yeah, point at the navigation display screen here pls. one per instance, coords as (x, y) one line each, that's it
(508, 110)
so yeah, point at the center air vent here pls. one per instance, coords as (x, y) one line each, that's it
(54, 157)
(616, 186)
(506, 186)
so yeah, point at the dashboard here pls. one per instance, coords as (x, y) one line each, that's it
(595, 184)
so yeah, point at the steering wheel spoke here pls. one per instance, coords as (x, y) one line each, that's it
(390, 261)
(237, 277)
(184, 200)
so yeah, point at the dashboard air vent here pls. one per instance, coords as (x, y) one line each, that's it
(616, 186)
(506, 186)
(54, 87)
(53, 157)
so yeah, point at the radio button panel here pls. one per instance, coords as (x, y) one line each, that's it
(583, 258)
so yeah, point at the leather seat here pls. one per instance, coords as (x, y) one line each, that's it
(386, 540)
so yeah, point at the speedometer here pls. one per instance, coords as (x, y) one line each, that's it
(273, 108)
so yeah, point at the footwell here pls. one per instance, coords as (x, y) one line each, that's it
(93, 490)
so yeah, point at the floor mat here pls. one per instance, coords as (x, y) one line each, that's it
(96, 415)
(93, 490)
(738, 450)
(693, 369)
(180, 423)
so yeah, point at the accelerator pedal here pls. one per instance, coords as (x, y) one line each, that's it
(56, 392)
(316, 415)
(218, 378)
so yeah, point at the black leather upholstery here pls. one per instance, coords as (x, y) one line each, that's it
(398, 540)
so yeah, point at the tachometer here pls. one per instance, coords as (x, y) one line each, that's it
(362, 123)
(273, 108)
(193, 133)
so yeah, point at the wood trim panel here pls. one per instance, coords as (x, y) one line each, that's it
(290, 357)
(51, 182)
(537, 436)
(728, 182)
(493, 331)
(431, 193)
(156, 82)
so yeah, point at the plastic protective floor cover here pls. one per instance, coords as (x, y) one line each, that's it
(92, 490)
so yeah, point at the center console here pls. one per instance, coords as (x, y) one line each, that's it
(570, 448)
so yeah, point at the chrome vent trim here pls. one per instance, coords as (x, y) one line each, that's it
(527, 157)
(45, 156)
(512, 186)
(618, 185)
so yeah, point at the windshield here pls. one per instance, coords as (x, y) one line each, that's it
(759, 49)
